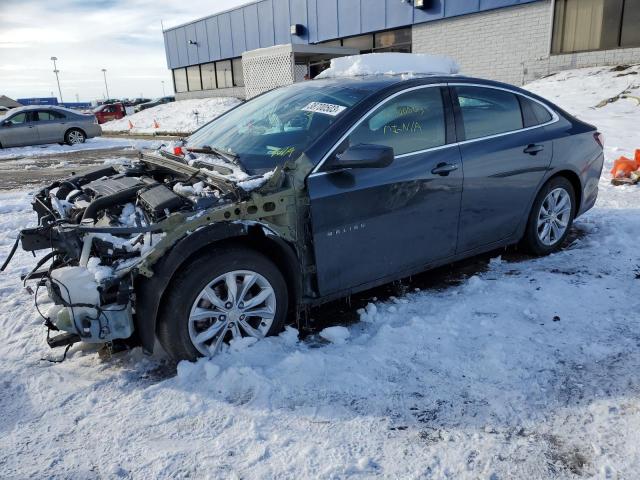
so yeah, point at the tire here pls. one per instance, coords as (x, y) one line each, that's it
(545, 233)
(185, 299)
(74, 136)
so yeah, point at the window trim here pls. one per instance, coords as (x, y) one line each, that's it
(554, 118)
(554, 115)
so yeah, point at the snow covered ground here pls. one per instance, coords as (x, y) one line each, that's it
(97, 143)
(174, 117)
(527, 369)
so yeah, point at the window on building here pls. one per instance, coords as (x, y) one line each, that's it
(223, 74)
(583, 25)
(193, 77)
(364, 43)
(208, 73)
(411, 122)
(238, 76)
(487, 111)
(180, 80)
(393, 41)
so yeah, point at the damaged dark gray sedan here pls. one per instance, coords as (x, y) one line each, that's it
(302, 195)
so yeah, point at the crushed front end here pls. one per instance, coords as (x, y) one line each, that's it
(111, 224)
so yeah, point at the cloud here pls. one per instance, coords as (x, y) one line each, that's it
(123, 36)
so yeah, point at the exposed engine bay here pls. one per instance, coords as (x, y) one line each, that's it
(112, 223)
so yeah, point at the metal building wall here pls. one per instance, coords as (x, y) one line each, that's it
(267, 22)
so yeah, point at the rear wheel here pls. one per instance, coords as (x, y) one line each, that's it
(225, 296)
(551, 217)
(74, 136)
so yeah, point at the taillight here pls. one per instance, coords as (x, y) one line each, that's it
(599, 138)
(178, 151)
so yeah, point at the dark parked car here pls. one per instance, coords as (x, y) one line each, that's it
(36, 125)
(305, 194)
(154, 103)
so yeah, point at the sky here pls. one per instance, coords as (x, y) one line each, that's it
(122, 36)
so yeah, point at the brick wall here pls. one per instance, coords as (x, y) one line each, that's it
(509, 44)
(237, 92)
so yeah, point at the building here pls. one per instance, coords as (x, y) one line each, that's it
(243, 51)
(8, 102)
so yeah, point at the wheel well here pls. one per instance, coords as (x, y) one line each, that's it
(575, 183)
(74, 128)
(283, 257)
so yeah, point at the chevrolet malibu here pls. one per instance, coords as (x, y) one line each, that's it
(37, 125)
(305, 194)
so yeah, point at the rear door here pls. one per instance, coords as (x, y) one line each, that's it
(372, 224)
(505, 153)
(19, 131)
(50, 125)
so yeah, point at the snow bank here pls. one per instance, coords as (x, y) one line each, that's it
(98, 143)
(390, 64)
(174, 117)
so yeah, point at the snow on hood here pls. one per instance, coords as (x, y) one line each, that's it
(390, 64)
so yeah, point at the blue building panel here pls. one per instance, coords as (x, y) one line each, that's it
(349, 18)
(327, 11)
(251, 27)
(265, 23)
(203, 42)
(281, 21)
(226, 37)
(463, 7)
(213, 37)
(398, 14)
(238, 32)
(373, 15)
(298, 15)
(192, 44)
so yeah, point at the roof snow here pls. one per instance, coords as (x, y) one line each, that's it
(390, 64)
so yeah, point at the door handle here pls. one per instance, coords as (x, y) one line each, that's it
(444, 169)
(533, 149)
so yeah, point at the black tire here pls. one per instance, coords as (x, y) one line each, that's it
(531, 240)
(173, 318)
(68, 136)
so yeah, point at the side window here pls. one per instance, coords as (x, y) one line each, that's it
(18, 119)
(533, 113)
(411, 122)
(487, 111)
(44, 116)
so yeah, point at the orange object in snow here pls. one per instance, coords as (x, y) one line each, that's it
(155, 124)
(130, 125)
(623, 166)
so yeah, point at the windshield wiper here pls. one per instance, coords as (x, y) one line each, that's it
(226, 154)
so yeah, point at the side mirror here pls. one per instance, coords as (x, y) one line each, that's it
(363, 156)
(6, 123)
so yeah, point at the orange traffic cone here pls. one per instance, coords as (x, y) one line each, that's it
(130, 125)
(155, 124)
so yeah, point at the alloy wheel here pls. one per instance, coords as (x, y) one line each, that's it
(236, 304)
(554, 216)
(76, 137)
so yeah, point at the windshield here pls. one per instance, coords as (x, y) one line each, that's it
(279, 125)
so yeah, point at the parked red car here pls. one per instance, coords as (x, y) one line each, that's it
(110, 111)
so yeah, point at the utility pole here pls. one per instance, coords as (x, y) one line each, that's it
(162, 82)
(104, 72)
(56, 71)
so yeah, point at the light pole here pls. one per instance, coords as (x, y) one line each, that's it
(56, 71)
(162, 82)
(104, 72)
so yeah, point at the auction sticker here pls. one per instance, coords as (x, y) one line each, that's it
(326, 108)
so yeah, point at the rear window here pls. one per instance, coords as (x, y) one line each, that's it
(488, 111)
(533, 113)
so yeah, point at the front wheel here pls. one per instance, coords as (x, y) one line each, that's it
(74, 137)
(551, 217)
(224, 296)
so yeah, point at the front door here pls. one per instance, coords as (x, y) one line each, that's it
(376, 223)
(505, 154)
(19, 131)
